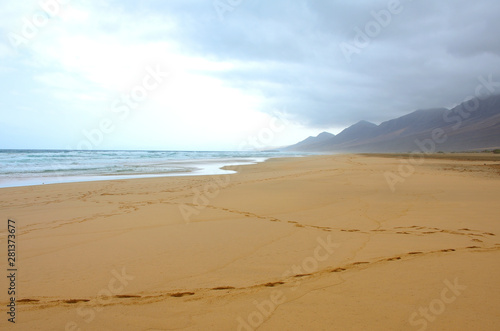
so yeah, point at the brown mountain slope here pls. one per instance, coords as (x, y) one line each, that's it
(472, 125)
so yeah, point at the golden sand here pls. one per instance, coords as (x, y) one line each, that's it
(344, 242)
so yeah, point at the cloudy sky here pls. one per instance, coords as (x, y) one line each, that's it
(215, 75)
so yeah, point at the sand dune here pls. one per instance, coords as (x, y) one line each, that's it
(316, 243)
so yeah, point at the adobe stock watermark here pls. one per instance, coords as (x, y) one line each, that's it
(105, 296)
(371, 30)
(122, 108)
(486, 88)
(32, 25)
(436, 307)
(225, 6)
(265, 308)
(201, 198)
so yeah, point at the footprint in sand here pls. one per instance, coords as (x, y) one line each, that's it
(338, 270)
(28, 300)
(181, 294)
(414, 253)
(73, 301)
(220, 288)
(394, 258)
(448, 250)
(126, 296)
(273, 284)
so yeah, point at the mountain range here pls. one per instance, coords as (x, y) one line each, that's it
(470, 126)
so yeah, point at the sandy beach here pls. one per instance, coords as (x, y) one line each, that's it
(340, 242)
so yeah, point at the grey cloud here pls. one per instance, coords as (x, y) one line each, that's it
(430, 55)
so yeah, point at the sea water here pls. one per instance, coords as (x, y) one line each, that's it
(37, 167)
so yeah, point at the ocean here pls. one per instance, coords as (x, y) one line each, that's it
(38, 167)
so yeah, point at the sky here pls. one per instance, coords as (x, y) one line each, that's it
(231, 74)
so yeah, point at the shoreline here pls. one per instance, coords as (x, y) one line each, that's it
(39, 167)
(222, 168)
(208, 167)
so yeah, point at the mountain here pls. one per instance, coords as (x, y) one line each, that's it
(311, 141)
(472, 125)
(356, 132)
